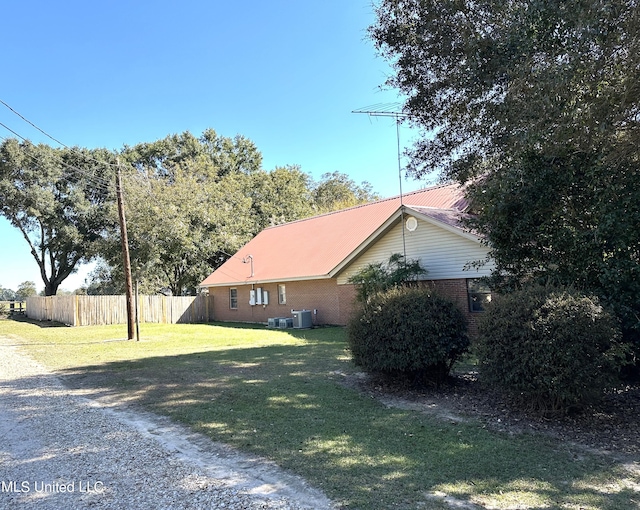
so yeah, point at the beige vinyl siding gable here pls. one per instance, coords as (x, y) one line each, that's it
(443, 253)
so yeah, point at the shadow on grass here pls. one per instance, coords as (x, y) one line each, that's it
(40, 324)
(286, 403)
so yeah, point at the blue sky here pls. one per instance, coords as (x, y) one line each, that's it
(285, 74)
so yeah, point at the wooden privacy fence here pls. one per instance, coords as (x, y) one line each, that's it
(97, 310)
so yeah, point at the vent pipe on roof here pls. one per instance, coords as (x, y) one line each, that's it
(245, 261)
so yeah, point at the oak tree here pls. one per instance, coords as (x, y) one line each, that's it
(57, 198)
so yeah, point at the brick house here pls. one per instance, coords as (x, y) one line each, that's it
(306, 264)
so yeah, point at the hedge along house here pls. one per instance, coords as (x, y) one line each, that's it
(306, 264)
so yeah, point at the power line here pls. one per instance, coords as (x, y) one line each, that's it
(93, 179)
(121, 212)
(32, 124)
(114, 165)
(9, 129)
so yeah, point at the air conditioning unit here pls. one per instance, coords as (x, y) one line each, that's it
(302, 319)
(274, 322)
(285, 323)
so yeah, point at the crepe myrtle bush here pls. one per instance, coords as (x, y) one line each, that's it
(408, 331)
(552, 349)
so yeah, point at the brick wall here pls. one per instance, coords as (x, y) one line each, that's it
(456, 290)
(329, 302)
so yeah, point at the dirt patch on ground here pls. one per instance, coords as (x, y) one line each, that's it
(612, 426)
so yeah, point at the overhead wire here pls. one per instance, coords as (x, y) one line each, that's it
(96, 181)
(9, 129)
(13, 110)
(31, 123)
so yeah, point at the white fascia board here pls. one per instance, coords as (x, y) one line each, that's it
(456, 230)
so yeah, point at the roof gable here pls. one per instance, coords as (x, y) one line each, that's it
(315, 247)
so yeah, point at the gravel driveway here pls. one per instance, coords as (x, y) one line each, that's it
(59, 449)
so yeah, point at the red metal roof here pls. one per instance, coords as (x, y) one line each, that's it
(313, 247)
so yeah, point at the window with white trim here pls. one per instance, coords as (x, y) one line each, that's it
(233, 299)
(282, 294)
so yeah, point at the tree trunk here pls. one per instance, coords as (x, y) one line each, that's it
(51, 288)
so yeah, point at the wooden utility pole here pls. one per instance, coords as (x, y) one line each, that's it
(125, 255)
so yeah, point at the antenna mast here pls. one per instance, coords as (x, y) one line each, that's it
(393, 110)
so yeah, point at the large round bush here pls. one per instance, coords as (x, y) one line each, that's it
(551, 349)
(409, 331)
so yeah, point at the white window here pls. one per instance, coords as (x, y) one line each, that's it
(282, 294)
(233, 299)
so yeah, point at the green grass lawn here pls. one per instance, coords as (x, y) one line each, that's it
(279, 394)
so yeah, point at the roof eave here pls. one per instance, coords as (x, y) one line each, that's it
(390, 222)
(451, 228)
(262, 282)
(380, 231)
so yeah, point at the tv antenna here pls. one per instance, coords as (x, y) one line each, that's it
(393, 110)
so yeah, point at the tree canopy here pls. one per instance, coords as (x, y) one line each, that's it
(7, 294)
(537, 104)
(25, 290)
(490, 79)
(192, 201)
(56, 199)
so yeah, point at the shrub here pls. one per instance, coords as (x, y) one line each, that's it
(552, 349)
(408, 331)
(380, 277)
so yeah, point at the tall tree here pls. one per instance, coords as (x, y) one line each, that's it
(193, 201)
(57, 199)
(180, 228)
(188, 207)
(538, 104)
(279, 196)
(218, 156)
(7, 294)
(337, 190)
(490, 79)
(25, 290)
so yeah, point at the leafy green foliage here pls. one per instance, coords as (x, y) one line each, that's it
(190, 202)
(193, 201)
(25, 290)
(410, 331)
(549, 348)
(491, 79)
(379, 277)
(279, 196)
(337, 191)
(7, 294)
(585, 234)
(52, 197)
(536, 103)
